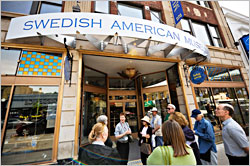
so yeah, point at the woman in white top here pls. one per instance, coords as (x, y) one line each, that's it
(145, 134)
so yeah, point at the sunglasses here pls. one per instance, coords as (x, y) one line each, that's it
(168, 108)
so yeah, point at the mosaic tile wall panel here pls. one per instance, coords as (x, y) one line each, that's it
(40, 64)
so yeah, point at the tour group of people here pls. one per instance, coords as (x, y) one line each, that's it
(170, 142)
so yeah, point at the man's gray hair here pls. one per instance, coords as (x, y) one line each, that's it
(172, 105)
(102, 119)
(228, 107)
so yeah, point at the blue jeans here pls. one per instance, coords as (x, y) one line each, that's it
(159, 141)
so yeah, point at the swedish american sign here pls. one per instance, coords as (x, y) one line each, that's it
(101, 24)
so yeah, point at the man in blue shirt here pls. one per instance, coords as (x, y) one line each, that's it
(235, 140)
(205, 132)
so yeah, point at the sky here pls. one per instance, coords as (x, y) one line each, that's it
(241, 7)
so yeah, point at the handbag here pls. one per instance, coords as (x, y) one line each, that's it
(130, 138)
(146, 148)
(166, 155)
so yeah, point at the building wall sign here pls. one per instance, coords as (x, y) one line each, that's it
(101, 24)
(197, 75)
(177, 11)
(245, 41)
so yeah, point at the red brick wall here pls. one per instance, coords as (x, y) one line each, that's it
(210, 18)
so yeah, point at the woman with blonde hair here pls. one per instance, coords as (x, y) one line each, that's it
(96, 153)
(189, 134)
(175, 151)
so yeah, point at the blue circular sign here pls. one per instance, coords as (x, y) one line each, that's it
(197, 75)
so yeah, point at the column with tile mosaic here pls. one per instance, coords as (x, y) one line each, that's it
(40, 64)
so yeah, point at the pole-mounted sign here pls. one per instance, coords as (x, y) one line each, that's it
(177, 11)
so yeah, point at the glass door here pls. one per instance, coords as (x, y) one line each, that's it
(155, 93)
(94, 100)
(122, 98)
(115, 109)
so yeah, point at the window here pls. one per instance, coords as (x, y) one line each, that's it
(31, 7)
(201, 3)
(92, 77)
(5, 95)
(38, 63)
(94, 106)
(155, 16)
(215, 36)
(201, 33)
(218, 74)
(235, 74)
(130, 11)
(9, 60)
(206, 33)
(121, 84)
(185, 26)
(102, 6)
(49, 7)
(16, 6)
(29, 133)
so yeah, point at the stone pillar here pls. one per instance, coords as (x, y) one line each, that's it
(68, 114)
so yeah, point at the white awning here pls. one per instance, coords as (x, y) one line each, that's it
(59, 25)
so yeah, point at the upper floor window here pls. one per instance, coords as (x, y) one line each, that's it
(206, 33)
(201, 3)
(102, 6)
(185, 26)
(201, 33)
(130, 11)
(155, 16)
(32, 7)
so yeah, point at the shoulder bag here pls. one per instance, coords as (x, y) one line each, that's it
(146, 148)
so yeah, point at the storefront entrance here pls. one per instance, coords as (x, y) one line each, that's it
(107, 90)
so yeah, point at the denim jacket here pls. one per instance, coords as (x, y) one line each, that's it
(205, 131)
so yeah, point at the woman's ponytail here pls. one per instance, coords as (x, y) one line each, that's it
(97, 129)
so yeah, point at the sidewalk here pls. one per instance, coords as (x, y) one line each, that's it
(134, 154)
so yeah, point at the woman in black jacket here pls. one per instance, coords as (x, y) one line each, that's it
(145, 135)
(97, 153)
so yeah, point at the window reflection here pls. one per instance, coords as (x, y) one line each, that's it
(5, 94)
(130, 11)
(9, 59)
(155, 16)
(207, 106)
(218, 74)
(227, 95)
(92, 77)
(131, 115)
(16, 6)
(47, 8)
(235, 74)
(30, 126)
(102, 6)
(121, 84)
(243, 99)
(201, 33)
(155, 93)
(94, 106)
(154, 80)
